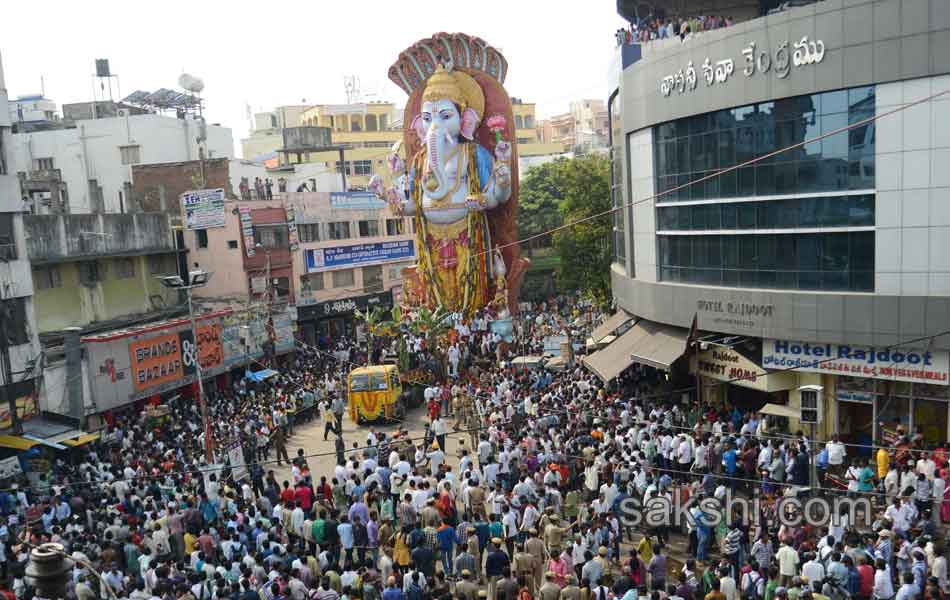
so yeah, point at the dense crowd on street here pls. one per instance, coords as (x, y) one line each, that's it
(527, 502)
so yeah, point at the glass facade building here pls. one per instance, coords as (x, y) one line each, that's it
(817, 185)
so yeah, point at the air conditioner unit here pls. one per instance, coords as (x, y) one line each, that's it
(122, 112)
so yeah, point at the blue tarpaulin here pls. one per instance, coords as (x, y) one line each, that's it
(260, 375)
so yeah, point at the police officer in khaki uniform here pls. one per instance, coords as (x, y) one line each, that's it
(571, 591)
(550, 590)
(524, 565)
(466, 589)
(535, 547)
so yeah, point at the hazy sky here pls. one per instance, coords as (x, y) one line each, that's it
(264, 54)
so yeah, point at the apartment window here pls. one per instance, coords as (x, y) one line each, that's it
(395, 227)
(130, 154)
(371, 123)
(309, 232)
(344, 278)
(383, 122)
(124, 268)
(89, 273)
(519, 122)
(362, 167)
(13, 321)
(369, 228)
(270, 237)
(281, 286)
(345, 166)
(201, 238)
(7, 237)
(373, 278)
(394, 273)
(43, 164)
(159, 265)
(45, 278)
(312, 282)
(524, 140)
(529, 121)
(339, 230)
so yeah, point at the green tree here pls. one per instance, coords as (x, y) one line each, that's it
(578, 188)
(585, 247)
(538, 202)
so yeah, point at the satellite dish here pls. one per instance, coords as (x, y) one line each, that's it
(191, 83)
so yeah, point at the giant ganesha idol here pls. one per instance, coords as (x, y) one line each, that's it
(459, 182)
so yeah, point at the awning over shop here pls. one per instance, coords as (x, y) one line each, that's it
(648, 343)
(615, 358)
(44, 441)
(658, 345)
(259, 376)
(779, 410)
(16, 442)
(614, 322)
(82, 440)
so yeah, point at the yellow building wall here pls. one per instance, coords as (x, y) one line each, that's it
(256, 145)
(76, 305)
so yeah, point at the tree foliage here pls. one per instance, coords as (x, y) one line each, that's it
(576, 188)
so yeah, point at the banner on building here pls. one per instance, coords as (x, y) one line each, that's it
(336, 257)
(10, 467)
(26, 407)
(247, 230)
(203, 209)
(170, 357)
(356, 201)
(726, 364)
(896, 364)
(292, 237)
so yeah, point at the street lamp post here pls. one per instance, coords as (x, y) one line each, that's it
(196, 279)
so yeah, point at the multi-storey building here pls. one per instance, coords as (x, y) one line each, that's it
(783, 185)
(20, 360)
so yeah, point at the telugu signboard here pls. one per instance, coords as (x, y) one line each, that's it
(203, 209)
(896, 364)
(325, 259)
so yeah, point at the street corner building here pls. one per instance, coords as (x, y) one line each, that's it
(781, 188)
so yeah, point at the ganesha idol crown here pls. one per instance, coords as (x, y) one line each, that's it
(420, 61)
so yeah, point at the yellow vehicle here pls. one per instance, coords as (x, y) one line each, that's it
(375, 393)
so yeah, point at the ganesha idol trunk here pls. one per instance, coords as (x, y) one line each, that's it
(461, 177)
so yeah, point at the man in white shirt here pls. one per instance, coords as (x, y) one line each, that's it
(836, 455)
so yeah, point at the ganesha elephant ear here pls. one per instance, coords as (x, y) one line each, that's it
(419, 128)
(469, 123)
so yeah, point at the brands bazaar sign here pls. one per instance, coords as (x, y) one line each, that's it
(725, 364)
(780, 61)
(896, 364)
(169, 357)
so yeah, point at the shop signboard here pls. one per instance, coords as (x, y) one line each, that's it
(292, 237)
(10, 467)
(356, 201)
(247, 230)
(26, 408)
(895, 363)
(338, 257)
(236, 460)
(854, 396)
(726, 364)
(333, 308)
(126, 365)
(203, 209)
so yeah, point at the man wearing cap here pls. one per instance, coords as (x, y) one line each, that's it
(466, 589)
(535, 547)
(507, 586)
(524, 566)
(550, 590)
(496, 561)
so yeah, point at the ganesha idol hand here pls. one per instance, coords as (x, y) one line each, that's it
(375, 185)
(394, 200)
(396, 164)
(502, 175)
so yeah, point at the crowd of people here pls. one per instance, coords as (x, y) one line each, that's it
(655, 28)
(520, 489)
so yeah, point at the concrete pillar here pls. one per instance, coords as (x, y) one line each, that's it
(73, 350)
